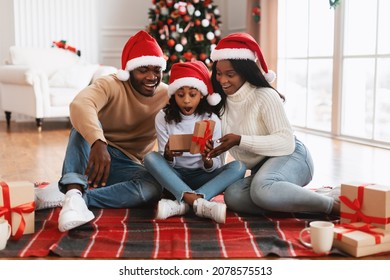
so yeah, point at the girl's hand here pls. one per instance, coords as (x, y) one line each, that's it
(169, 155)
(226, 143)
(208, 162)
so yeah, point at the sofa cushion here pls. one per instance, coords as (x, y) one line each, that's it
(45, 59)
(76, 76)
(62, 96)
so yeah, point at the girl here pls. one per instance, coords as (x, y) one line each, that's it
(193, 179)
(262, 137)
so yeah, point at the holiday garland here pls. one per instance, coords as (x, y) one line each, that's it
(63, 45)
(334, 3)
(256, 13)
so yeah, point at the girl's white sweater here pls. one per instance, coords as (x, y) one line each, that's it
(186, 126)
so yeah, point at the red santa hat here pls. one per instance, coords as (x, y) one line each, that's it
(140, 50)
(192, 74)
(241, 46)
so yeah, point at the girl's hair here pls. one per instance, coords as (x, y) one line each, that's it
(248, 70)
(172, 110)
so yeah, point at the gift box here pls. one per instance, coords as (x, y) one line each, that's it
(203, 131)
(361, 239)
(180, 142)
(368, 203)
(17, 207)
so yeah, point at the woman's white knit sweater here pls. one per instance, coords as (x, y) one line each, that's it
(257, 114)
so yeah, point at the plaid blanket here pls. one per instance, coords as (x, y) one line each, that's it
(134, 234)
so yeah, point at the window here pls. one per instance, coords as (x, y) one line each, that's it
(334, 67)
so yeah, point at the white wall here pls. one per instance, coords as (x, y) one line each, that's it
(117, 20)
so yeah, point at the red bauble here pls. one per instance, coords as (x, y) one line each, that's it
(186, 18)
(188, 55)
(182, 10)
(197, 22)
(202, 56)
(173, 58)
(171, 42)
(172, 27)
(169, 21)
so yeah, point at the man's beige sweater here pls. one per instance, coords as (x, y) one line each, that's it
(112, 111)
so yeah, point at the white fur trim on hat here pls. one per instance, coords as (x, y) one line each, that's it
(146, 61)
(189, 82)
(214, 98)
(123, 75)
(270, 76)
(236, 53)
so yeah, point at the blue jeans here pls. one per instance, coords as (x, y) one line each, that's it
(180, 180)
(129, 183)
(276, 185)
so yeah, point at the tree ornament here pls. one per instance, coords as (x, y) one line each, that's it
(188, 56)
(205, 22)
(203, 56)
(171, 42)
(210, 36)
(179, 48)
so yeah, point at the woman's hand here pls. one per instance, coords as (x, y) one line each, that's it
(98, 167)
(226, 143)
(207, 161)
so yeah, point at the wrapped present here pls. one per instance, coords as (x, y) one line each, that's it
(368, 203)
(17, 207)
(203, 131)
(361, 239)
(180, 142)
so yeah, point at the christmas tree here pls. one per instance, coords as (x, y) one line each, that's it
(185, 30)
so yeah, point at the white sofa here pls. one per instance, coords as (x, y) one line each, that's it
(41, 82)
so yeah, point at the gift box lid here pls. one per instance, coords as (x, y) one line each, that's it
(22, 192)
(374, 200)
(361, 234)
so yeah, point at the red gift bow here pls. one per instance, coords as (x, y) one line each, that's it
(6, 210)
(364, 228)
(356, 205)
(201, 141)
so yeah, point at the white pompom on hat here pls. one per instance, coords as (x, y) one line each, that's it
(140, 50)
(192, 74)
(241, 46)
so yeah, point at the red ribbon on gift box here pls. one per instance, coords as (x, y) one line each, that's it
(364, 228)
(356, 205)
(201, 141)
(6, 210)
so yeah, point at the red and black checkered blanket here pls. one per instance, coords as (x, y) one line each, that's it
(134, 234)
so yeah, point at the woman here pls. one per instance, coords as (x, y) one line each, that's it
(257, 132)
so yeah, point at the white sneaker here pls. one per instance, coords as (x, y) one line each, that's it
(74, 213)
(167, 208)
(333, 192)
(48, 196)
(213, 210)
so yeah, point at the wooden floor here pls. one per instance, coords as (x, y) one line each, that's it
(26, 154)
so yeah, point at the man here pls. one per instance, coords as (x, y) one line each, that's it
(113, 122)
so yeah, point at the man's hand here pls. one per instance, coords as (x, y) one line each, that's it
(226, 143)
(98, 167)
